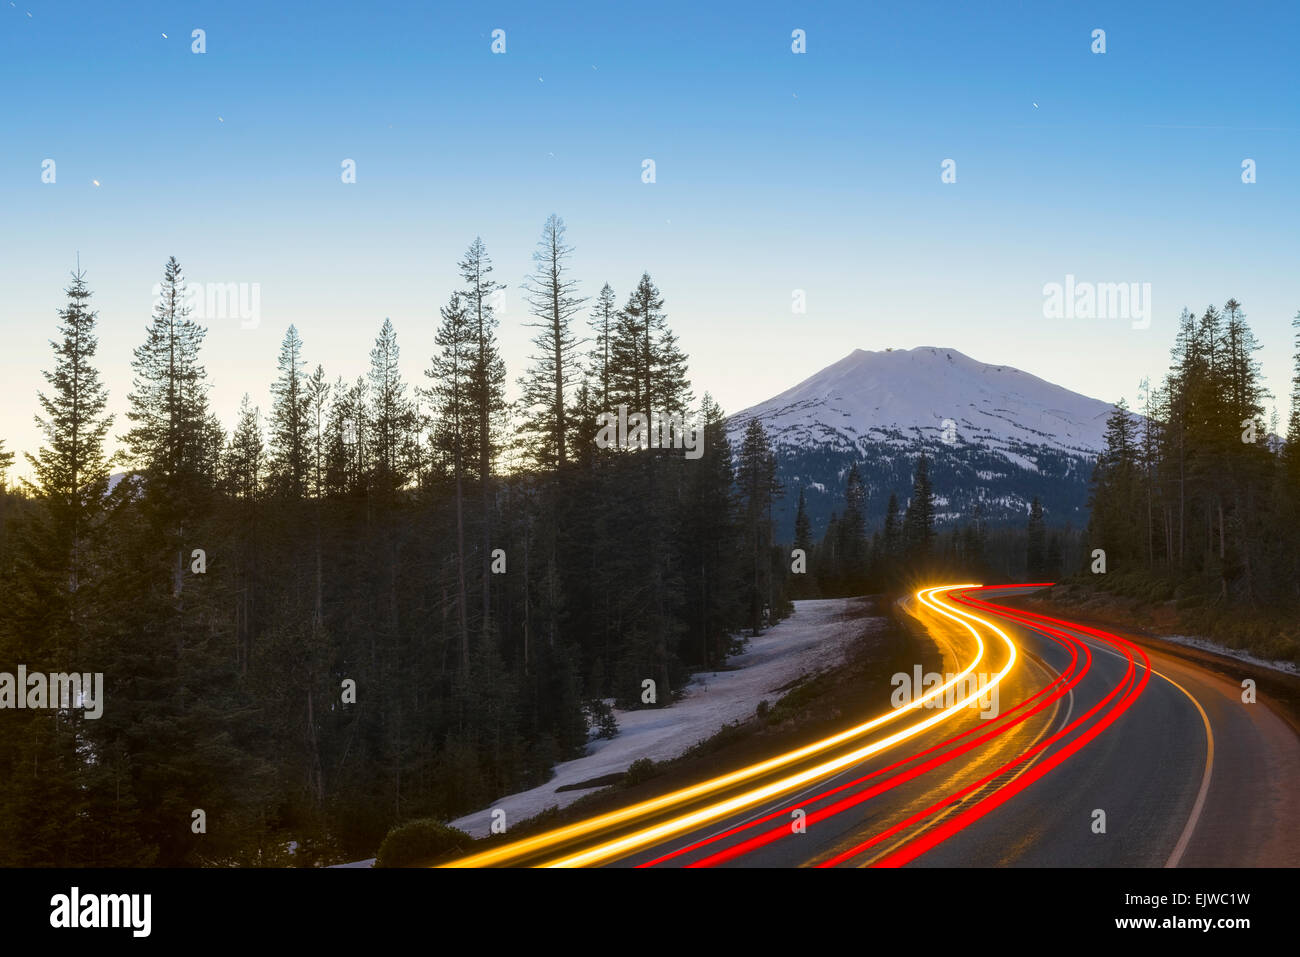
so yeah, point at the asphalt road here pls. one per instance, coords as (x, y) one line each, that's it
(1102, 754)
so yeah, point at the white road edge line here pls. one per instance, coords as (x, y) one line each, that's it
(1194, 818)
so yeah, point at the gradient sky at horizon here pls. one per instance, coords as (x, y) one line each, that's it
(775, 172)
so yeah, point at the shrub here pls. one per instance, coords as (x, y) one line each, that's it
(642, 769)
(419, 842)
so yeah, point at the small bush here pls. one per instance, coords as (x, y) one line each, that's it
(419, 842)
(642, 769)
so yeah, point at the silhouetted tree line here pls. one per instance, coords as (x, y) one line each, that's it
(1197, 495)
(376, 601)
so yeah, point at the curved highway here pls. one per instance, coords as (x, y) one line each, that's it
(1044, 743)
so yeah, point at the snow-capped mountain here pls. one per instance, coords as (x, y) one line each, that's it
(995, 436)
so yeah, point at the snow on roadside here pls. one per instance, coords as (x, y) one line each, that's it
(812, 640)
(1288, 667)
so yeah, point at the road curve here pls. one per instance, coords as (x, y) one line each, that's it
(1100, 753)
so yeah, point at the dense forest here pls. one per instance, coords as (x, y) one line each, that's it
(896, 547)
(1196, 499)
(347, 613)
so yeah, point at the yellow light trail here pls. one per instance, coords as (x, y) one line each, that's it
(650, 835)
(633, 812)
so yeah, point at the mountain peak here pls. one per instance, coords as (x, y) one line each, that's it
(878, 395)
(996, 437)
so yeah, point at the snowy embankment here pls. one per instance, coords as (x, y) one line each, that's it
(1204, 644)
(810, 641)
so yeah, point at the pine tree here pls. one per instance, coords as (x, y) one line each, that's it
(802, 526)
(918, 521)
(758, 486)
(801, 585)
(485, 394)
(456, 435)
(336, 451)
(56, 603)
(552, 299)
(709, 538)
(72, 467)
(290, 429)
(1036, 548)
(245, 454)
(318, 397)
(175, 443)
(853, 531)
(1114, 499)
(391, 410)
(169, 409)
(604, 325)
(347, 438)
(649, 370)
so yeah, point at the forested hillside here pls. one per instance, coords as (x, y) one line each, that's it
(376, 600)
(1197, 500)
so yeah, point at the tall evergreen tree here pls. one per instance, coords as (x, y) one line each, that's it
(604, 325)
(649, 370)
(318, 398)
(168, 402)
(1036, 548)
(552, 299)
(1114, 498)
(391, 409)
(853, 530)
(245, 455)
(56, 603)
(758, 486)
(456, 436)
(802, 526)
(709, 538)
(290, 427)
(486, 392)
(918, 520)
(72, 467)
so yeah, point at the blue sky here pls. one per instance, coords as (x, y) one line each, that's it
(775, 171)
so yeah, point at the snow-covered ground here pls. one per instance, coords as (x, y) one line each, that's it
(1205, 645)
(810, 641)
